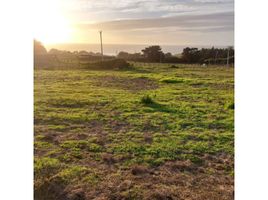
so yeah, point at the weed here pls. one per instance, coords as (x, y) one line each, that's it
(45, 167)
(71, 173)
(231, 106)
(42, 145)
(92, 179)
(94, 147)
(172, 80)
(147, 100)
(74, 144)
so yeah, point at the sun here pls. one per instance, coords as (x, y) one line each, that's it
(50, 24)
(52, 30)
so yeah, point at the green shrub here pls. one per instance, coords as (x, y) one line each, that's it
(231, 106)
(174, 67)
(109, 64)
(147, 100)
(172, 80)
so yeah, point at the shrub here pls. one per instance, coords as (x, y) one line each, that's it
(174, 67)
(147, 100)
(172, 80)
(109, 64)
(231, 106)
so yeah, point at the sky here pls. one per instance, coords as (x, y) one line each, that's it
(166, 22)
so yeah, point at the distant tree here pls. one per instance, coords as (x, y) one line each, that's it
(130, 56)
(39, 48)
(208, 55)
(55, 51)
(123, 55)
(169, 58)
(190, 55)
(83, 52)
(168, 55)
(137, 57)
(153, 54)
(172, 59)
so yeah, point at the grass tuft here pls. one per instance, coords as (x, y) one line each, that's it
(231, 106)
(147, 100)
(172, 80)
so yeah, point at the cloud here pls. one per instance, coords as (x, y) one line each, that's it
(146, 8)
(213, 1)
(153, 21)
(215, 21)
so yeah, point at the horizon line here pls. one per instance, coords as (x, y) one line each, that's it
(79, 43)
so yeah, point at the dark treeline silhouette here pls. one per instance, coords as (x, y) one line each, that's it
(55, 58)
(151, 54)
(208, 56)
(189, 55)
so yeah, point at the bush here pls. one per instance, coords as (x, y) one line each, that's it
(147, 100)
(231, 106)
(109, 64)
(174, 67)
(172, 80)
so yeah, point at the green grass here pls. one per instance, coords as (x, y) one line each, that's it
(81, 116)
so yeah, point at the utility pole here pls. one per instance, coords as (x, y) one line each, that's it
(101, 46)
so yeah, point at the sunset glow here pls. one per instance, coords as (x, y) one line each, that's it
(50, 24)
(172, 22)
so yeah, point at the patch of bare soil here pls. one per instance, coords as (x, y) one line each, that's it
(175, 180)
(187, 180)
(126, 83)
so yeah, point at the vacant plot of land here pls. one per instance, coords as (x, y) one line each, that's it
(153, 132)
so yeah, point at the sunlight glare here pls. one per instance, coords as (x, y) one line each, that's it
(50, 25)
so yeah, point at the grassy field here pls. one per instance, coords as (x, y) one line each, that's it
(152, 132)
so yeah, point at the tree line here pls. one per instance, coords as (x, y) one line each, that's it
(152, 54)
(189, 55)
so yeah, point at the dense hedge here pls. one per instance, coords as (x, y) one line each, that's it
(108, 64)
(54, 62)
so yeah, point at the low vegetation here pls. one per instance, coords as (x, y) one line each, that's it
(147, 100)
(149, 132)
(58, 59)
(108, 64)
